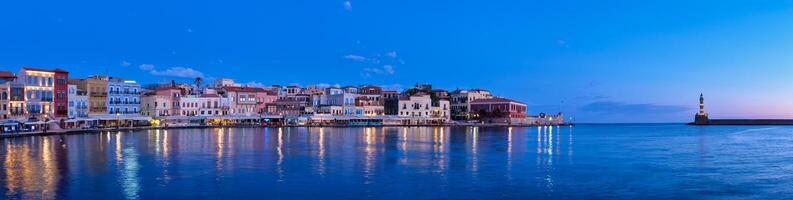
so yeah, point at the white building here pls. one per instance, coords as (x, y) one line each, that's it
(78, 102)
(420, 106)
(189, 105)
(123, 96)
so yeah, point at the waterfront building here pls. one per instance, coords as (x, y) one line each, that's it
(6, 80)
(162, 102)
(370, 98)
(39, 89)
(60, 89)
(78, 102)
(123, 96)
(212, 105)
(390, 102)
(247, 100)
(189, 105)
(290, 105)
(420, 105)
(345, 101)
(499, 110)
(460, 100)
(96, 88)
(16, 102)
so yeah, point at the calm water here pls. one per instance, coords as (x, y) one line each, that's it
(586, 161)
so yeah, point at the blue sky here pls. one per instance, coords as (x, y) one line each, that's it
(614, 61)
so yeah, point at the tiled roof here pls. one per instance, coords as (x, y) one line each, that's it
(7, 74)
(210, 95)
(244, 89)
(495, 100)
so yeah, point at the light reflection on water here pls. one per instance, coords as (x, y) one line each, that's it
(609, 161)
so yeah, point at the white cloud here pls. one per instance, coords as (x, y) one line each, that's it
(146, 67)
(355, 58)
(124, 63)
(392, 54)
(180, 72)
(563, 43)
(255, 84)
(395, 87)
(323, 85)
(385, 70)
(347, 5)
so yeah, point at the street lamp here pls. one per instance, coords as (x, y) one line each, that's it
(118, 116)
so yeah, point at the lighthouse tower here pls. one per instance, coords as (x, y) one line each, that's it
(702, 117)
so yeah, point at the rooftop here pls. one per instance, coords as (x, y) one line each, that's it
(496, 100)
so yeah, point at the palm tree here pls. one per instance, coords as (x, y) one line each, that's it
(198, 84)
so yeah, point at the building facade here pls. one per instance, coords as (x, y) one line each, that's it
(96, 88)
(39, 86)
(461, 102)
(499, 110)
(60, 89)
(6, 80)
(123, 96)
(78, 102)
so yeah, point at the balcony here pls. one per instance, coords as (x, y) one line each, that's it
(124, 103)
(98, 94)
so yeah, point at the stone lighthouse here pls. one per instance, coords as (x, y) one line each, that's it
(702, 117)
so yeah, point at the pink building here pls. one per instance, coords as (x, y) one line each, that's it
(248, 100)
(501, 110)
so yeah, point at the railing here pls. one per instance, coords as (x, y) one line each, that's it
(124, 93)
(124, 103)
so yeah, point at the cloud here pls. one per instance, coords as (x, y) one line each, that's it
(347, 5)
(189, 30)
(355, 58)
(124, 63)
(395, 87)
(255, 84)
(385, 70)
(392, 54)
(618, 108)
(323, 85)
(146, 67)
(180, 72)
(388, 69)
(562, 43)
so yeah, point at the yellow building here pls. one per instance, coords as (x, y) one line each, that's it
(96, 88)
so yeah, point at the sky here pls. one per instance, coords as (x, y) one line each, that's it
(597, 61)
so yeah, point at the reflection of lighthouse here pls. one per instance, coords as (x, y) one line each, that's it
(702, 117)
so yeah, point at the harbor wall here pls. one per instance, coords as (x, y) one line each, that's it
(750, 122)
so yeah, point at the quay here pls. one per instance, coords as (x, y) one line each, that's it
(136, 128)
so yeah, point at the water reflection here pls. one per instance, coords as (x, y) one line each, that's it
(548, 148)
(196, 162)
